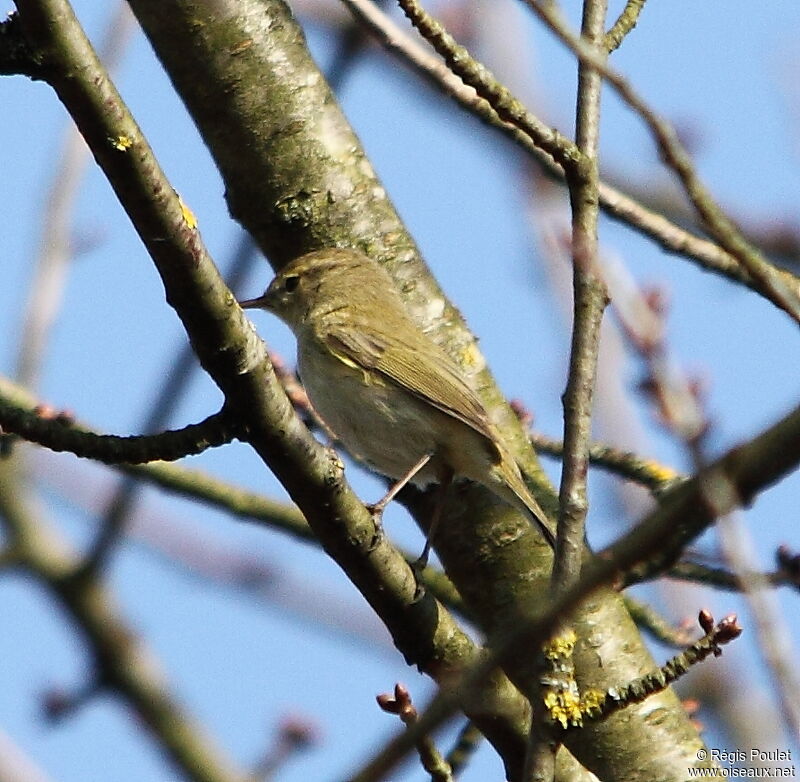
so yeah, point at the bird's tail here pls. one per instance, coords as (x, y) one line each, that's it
(516, 493)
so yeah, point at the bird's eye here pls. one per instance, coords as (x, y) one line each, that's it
(291, 283)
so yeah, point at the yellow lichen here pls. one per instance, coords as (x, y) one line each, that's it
(660, 471)
(188, 214)
(564, 707)
(121, 143)
(561, 646)
(591, 700)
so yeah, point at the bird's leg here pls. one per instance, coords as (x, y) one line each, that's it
(377, 509)
(445, 479)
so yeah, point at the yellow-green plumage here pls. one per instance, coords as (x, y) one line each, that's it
(385, 388)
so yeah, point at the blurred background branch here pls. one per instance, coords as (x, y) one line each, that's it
(685, 365)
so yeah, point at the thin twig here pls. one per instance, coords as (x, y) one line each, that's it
(625, 23)
(464, 747)
(771, 284)
(618, 205)
(770, 621)
(648, 619)
(717, 636)
(58, 432)
(589, 301)
(653, 475)
(294, 736)
(432, 760)
(720, 578)
(682, 412)
(507, 107)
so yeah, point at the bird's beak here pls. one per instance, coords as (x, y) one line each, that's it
(259, 303)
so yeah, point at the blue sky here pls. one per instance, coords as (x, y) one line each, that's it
(238, 662)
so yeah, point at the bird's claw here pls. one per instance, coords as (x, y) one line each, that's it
(417, 568)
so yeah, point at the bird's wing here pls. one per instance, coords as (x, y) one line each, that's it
(424, 369)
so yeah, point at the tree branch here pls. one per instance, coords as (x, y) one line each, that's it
(625, 22)
(589, 302)
(122, 661)
(59, 433)
(751, 467)
(615, 203)
(296, 176)
(770, 282)
(225, 342)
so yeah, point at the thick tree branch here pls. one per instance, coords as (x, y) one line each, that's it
(298, 179)
(751, 468)
(236, 359)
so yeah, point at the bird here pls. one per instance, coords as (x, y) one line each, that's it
(391, 395)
